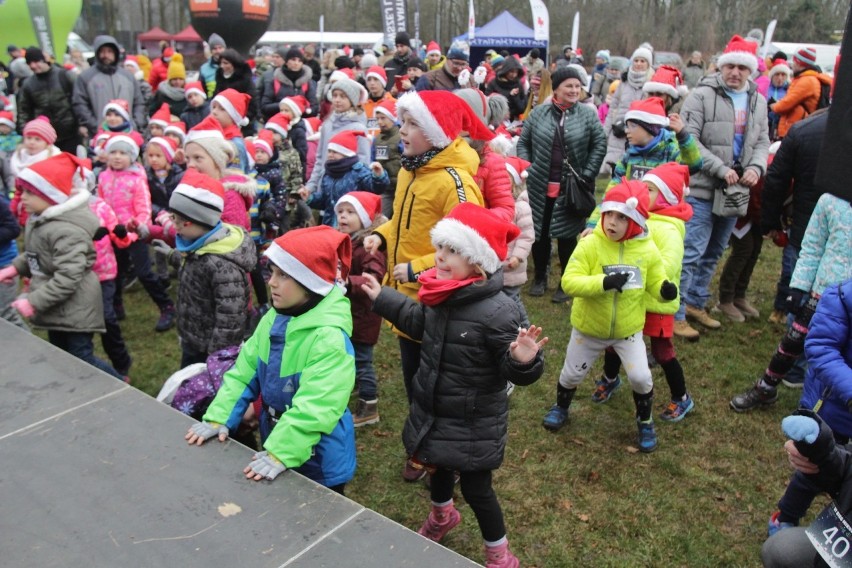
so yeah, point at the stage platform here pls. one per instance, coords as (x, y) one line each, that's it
(96, 473)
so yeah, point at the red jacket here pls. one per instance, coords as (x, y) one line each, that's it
(366, 324)
(496, 185)
(158, 74)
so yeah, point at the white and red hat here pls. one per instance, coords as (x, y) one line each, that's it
(207, 128)
(127, 142)
(672, 179)
(739, 51)
(345, 143)
(650, 111)
(178, 128)
(477, 234)
(433, 47)
(517, 168)
(806, 56)
(132, 61)
(195, 87)
(163, 116)
(377, 73)
(265, 142)
(630, 198)
(298, 105)
(198, 198)
(780, 66)
(55, 179)
(313, 257)
(387, 107)
(7, 119)
(235, 104)
(40, 127)
(279, 123)
(442, 116)
(367, 205)
(167, 145)
(668, 80)
(118, 106)
(312, 128)
(340, 74)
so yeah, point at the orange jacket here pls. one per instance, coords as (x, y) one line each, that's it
(801, 99)
(370, 111)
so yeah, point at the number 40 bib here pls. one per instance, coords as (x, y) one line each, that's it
(831, 535)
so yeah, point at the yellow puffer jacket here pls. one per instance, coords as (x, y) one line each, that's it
(423, 197)
(667, 233)
(610, 314)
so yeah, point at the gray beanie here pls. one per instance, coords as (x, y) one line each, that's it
(356, 93)
(221, 151)
(490, 110)
(216, 39)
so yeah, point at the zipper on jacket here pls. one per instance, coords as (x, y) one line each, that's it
(615, 295)
(410, 207)
(399, 223)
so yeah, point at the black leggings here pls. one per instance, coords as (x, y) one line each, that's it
(541, 249)
(792, 344)
(479, 494)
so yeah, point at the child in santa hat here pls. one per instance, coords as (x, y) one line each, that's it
(345, 173)
(300, 361)
(116, 117)
(377, 81)
(667, 84)
(294, 108)
(462, 297)
(163, 177)
(268, 169)
(38, 145)
(230, 108)
(387, 150)
(358, 213)
(124, 186)
(515, 265)
(64, 296)
(668, 184)
(292, 171)
(159, 120)
(620, 258)
(9, 141)
(197, 106)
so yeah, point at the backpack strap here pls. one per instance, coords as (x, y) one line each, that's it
(459, 185)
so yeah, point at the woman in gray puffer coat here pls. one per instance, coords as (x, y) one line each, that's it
(629, 90)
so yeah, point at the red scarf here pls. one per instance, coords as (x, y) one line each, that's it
(681, 210)
(232, 132)
(434, 291)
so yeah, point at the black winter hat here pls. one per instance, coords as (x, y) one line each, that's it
(402, 39)
(34, 54)
(294, 53)
(343, 62)
(564, 73)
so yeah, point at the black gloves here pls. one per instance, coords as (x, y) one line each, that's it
(268, 214)
(668, 291)
(120, 231)
(615, 281)
(794, 301)
(100, 233)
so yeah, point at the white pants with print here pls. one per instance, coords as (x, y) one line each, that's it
(584, 349)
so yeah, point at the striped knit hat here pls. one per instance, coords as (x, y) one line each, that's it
(198, 198)
(41, 128)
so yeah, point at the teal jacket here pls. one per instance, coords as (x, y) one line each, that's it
(304, 368)
(666, 147)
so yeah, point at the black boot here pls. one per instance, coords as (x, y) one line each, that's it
(538, 287)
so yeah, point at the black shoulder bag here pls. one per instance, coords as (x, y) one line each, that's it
(576, 195)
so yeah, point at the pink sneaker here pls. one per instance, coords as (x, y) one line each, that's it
(500, 557)
(439, 522)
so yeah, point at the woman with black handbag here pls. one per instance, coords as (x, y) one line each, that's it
(565, 145)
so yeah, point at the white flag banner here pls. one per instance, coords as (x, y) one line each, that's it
(471, 23)
(541, 20)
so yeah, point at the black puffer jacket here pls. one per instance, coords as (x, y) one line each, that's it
(240, 80)
(459, 412)
(49, 93)
(502, 86)
(213, 297)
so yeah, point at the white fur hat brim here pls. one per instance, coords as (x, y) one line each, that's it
(738, 58)
(646, 117)
(411, 103)
(466, 242)
(625, 209)
(655, 87)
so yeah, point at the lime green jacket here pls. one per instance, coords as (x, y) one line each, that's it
(667, 233)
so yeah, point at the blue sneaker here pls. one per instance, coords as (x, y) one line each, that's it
(775, 525)
(647, 436)
(605, 389)
(555, 418)
(677, 409)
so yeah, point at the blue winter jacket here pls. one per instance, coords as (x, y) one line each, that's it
(359, 178)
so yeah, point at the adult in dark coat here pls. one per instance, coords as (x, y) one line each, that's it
(509, 83)
(235, 73)
(398, 64)
(290, 79)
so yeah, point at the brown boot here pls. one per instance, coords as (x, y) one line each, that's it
(731, 311)
(777, 316)
(686, 331)
(702, 317)
(748, 310)
(366, 412)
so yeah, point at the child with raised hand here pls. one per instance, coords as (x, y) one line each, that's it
(619, 258)
(667, 186)
(344, 173)
(300, 361)
(39, 136)
(64, 296)
(229, 108)
(458, 417)
(387, 150)
(197, 107)
(358, 213)
(515, 265)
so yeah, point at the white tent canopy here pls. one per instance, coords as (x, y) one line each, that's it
(329, 38)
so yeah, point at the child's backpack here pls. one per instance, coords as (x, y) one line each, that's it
(191, 390)
(824, 95)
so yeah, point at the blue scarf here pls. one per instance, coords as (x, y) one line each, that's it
(654, 141)
(186, 246)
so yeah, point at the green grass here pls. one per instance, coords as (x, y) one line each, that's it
(583, 496)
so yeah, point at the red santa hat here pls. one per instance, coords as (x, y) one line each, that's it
(132, 61)
(340, 74)
(54, 179)
(279, 123)
(6, 103)
(345, 143)
(377, 72)
(235, 104)
(298, 105)
(367, 205)
(441, 116)
(251, 150)
(672, 179)
(129, 143)
(167, 145)
(207, 128)
(195, 87)
(739, 51)
(650, 111)
(198, 198)
(667, 80)
(178, 129)
(517, 168)
(7, 119)
(162, 117)
(265, 142)
(780, 66)
(630, 198)
(433, 47)
(40, 127)
(312, 128)
(477, 234)
(118, 106)
(388, 108)
(314, 257)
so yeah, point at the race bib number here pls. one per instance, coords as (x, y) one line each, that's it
(638, 172)
(372, 124)
(635, 281)
(32, 262)
(831, 535)
(381, 153)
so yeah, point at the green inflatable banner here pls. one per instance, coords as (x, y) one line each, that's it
(45, 23)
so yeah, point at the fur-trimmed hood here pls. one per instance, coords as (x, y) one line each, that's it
(80, 196)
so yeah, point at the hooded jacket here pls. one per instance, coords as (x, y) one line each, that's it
(495, 184)
(49, 94)
(335, 123)
(304, 368)
(58, 259)
(213, 296)
(126, 191)
(366, 324)
(824, 259)
(801, 99)
(333, 187)
(502, 86)
(275, 86)
(668, 234)
(99, 84)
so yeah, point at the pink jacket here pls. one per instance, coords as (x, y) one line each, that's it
(496, 185)
(105, 265)
(240, 190)
(521, 246)
(126, 191)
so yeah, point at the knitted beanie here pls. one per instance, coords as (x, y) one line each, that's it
(198, 198)
(353, 90)
(176, 68)
(41, 128)
(209, 135)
